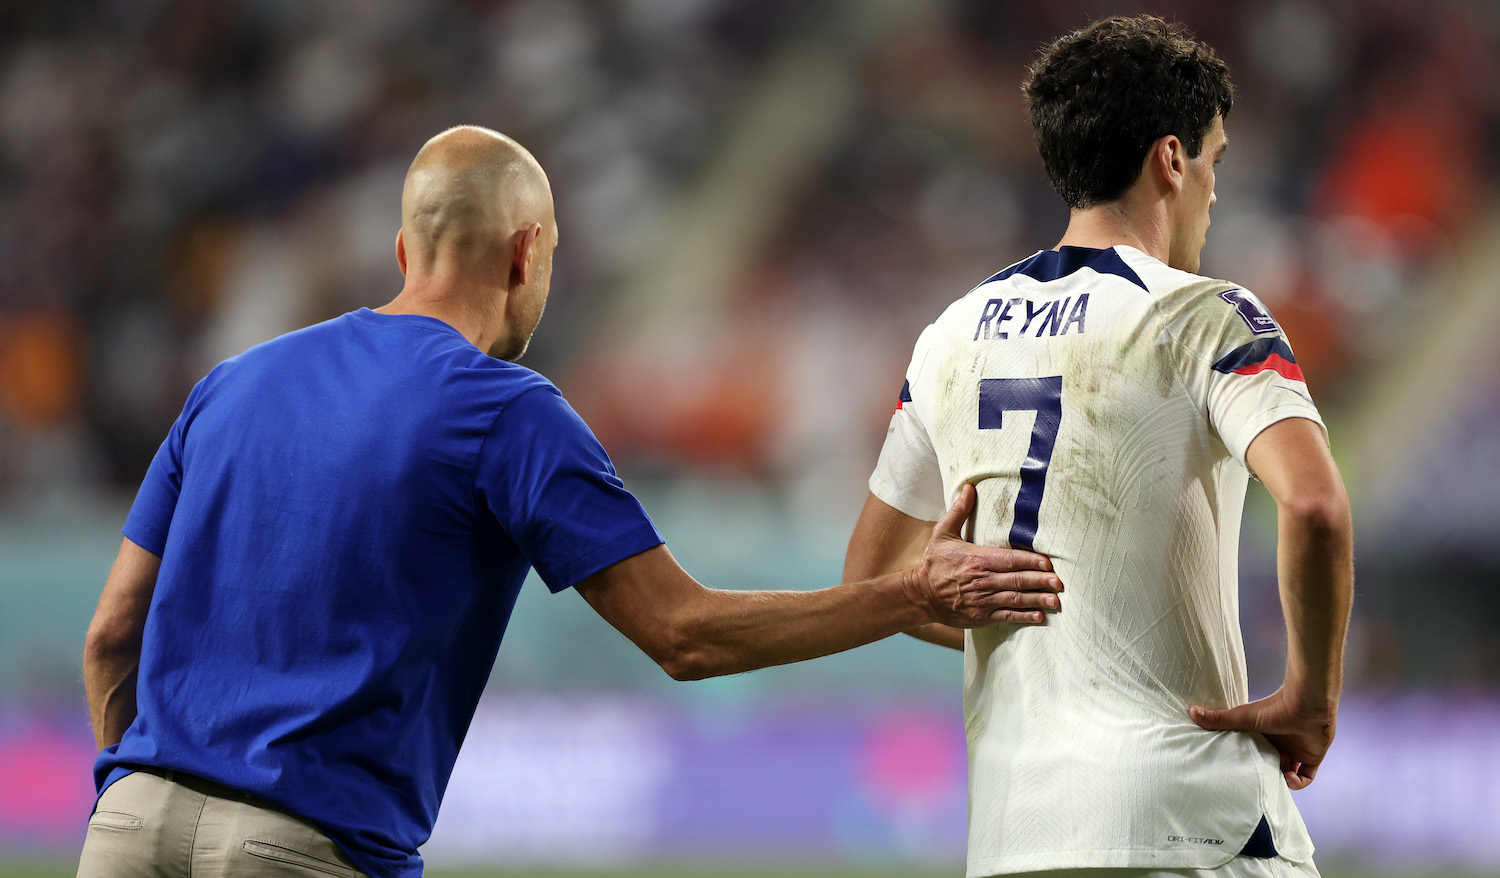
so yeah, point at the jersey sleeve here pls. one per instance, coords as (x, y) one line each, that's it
(1247, 375)
(551, 486)
(907, 477)
(150, 517)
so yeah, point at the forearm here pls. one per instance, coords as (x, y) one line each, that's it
(940, 634)
(1315, 567)
(728, 632)
(695, 632)
(1315, 570)
(109, 678)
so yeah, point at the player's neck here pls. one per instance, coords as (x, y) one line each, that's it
(1143, 227)
(462, 304)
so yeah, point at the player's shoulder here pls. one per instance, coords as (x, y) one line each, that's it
(304, 344)
(1183, 296)
(1166, 283)
(296, 349)
(469, 373)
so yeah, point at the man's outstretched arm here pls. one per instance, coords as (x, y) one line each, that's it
(112, 650)
(1315, 568)
(695, 632)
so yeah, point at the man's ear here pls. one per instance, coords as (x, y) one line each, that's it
(1167, 160)
(401, 252)
(523, 254)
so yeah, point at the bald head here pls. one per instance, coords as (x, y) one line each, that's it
(476, 240)
(468, 193)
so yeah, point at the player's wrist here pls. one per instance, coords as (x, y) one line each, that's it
(1312, 694)
(917, 596)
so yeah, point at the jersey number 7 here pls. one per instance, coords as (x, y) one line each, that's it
(1040, 395)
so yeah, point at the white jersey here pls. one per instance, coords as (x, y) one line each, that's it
(1102, 403)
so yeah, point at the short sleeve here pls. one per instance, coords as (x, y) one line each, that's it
(907, 477)
(150, 518)
(551, 486)
(1251, 378)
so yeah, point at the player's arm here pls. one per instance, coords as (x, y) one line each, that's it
(112, 648)
(695, 632)
(886, 539)
(1315, 569)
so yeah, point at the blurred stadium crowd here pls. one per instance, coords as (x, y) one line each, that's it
(760, 204)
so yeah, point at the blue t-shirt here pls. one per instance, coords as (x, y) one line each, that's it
(344, 516)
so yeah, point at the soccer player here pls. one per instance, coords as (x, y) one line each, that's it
(325, 553)
(1107, 401)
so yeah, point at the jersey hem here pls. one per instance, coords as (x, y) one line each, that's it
(1257, 425)
(898, 500)
(616, 550)
(1122, 858)
(147, 536)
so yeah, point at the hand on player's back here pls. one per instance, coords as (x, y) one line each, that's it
(1300, 735)
(969, 586)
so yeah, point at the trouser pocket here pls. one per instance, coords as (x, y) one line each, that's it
(300, 862)
(118, 820)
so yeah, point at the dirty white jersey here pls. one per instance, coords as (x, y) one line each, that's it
(1102, 402)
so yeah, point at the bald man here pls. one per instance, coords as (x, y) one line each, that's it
(324, 555)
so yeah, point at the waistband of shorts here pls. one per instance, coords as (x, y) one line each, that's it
(201, 785)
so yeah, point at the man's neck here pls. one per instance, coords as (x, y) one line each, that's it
(457, 304)
(1118, 222)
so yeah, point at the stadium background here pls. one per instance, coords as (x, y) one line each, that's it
(761, 204)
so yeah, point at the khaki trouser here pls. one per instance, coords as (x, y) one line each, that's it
(150, 826)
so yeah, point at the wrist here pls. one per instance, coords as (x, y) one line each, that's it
(914, 591)
(1313, 694)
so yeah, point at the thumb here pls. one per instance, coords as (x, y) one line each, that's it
(1246, 717)
(957, 514)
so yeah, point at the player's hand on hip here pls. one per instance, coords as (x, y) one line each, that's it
(969, 586)
(1301, 735)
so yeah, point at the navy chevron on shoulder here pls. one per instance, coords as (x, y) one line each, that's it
(1050, 265)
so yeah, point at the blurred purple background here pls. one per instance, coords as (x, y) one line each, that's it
(605, 781)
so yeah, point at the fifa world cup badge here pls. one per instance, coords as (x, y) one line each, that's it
(1251, 311)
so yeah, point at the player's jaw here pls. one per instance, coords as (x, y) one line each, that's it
(524, 306)
(1197, 198)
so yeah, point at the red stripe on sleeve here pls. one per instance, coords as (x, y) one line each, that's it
(1276, 363)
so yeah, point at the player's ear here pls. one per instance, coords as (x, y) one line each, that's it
(524, 254)
(401, 252)
(1168, 158)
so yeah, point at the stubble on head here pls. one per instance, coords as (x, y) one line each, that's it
(470, 204)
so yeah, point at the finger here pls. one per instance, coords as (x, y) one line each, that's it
(953, 519)
(1021, 580)
(1243, 718)
(1308, 771)
(1007, 560)
(1020, 617)
(1018, 600)
(1295, 779)
(1206, 717)
(988, 584)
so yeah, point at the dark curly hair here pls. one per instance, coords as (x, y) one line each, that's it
(1099, 97)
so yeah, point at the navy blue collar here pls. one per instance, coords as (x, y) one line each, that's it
(1053, 264)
